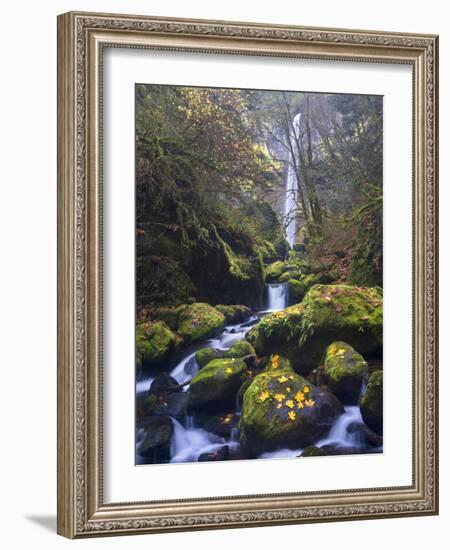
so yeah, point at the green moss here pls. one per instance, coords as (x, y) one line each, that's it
(219, 382)
(198, 320)
(287, 275)
(299, 287)
(168, 314)
(154, 342)
(312, 450)
(240, 349)
(235, 313)
(206, 355)
(344, 371)
(283, 410)
(273, 271)
(327, 313)
(371, 403)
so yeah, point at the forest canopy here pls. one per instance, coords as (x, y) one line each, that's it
(212, 167)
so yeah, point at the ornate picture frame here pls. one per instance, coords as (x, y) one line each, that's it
(82, 38)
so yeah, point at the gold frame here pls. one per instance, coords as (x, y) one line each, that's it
(81, 37)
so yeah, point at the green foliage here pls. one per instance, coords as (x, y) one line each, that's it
(198, 321)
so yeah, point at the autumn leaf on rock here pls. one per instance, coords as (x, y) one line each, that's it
(264, 395)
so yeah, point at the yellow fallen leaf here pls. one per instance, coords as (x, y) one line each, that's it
(299, 396)
(279, 405)
(282, 379)
(309, 403)
(291, 415)
(264, 395)
(228, 370)
(279, 396)
(288, 389)
(300, 405)
(306, 389)
(290, 403)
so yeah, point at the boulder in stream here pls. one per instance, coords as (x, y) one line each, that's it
(327, 313)
(218, 382)
(371, 403)
(199, 321)
(239, 349)
(157, 436)
(156, 344)
(343, 371)
(281, 409)
(234, 314)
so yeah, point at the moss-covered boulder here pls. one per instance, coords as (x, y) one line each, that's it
(234, 314)
(343, 370)
(298, 287)
(218, 382)
(371, 403)
(281, 409)
(168, 314)
(241, 348)
(292, 273)
(327, 313)
(197, 321)
(273, 271)
(206, 355)
(155, 343)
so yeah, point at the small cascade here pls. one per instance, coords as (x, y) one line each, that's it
(189, 443)
(186, 369)
(340, 434)
(277, 296)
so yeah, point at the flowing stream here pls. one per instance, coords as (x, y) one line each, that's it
(190, 441)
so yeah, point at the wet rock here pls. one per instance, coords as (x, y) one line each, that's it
(163, 384)
(172, 404)
(234, 314)
(327, 313)
(155, 443)
(343, 372)
(218, 454)
(281, 409)
(312, 450)
(366, 435)
(218, 382)
(199, 321)
(156, 344)
(241, 348)
(371, 403)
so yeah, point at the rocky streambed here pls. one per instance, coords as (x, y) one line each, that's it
(223, 383)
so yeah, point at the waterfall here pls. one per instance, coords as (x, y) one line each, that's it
(277, 296)
(189, 443)
(290, 202)
(339, 434)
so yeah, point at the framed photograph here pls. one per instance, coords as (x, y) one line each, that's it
(247, 276)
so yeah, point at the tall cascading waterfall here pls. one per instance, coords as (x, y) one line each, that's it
(290, 201)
